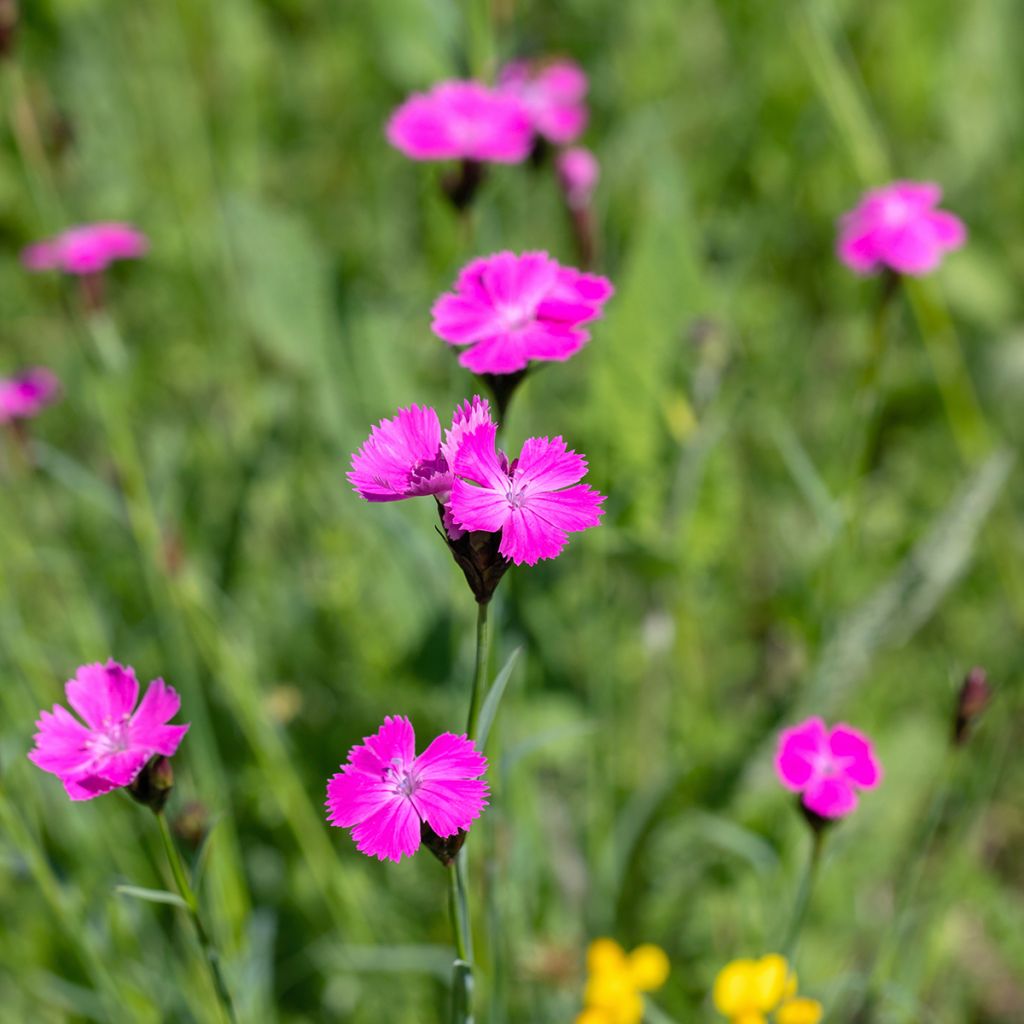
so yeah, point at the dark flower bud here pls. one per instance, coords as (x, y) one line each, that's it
(476, 554)
(818, 822)
(975, 693)
(191, 824)
(152, 786)
(8, 26)
(461, 186)
(444, 849)
(503, 387)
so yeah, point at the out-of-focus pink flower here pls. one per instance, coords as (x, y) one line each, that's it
(578, 171)
(87, 249)
(509, 310)
(27, 394)
(117, 739)
(899, 227)
(826, 766)
(462, 120)
(535, 502)
(404, 457)
(553, 93)
(385, 793)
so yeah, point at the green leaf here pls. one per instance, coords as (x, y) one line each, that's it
(494, 695)
(151, 895)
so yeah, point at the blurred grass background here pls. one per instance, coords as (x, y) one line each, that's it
(189, 514)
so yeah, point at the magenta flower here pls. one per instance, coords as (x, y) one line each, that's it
(385, 793)
(509, 311)
(534, 502)
(405, 457)
(578, 171)
(827, 767)
(899, 227)
(462, 120)
(27, 394)
(87, 249)
(117, 739)
(553, 94)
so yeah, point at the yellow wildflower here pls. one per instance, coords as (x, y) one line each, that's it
(616, 981)
(748, 991)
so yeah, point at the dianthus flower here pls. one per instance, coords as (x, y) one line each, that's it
(462, 120)
(578, 171)
(826, 766)
(86, 250)
(747, 991)
(533, 502)
(553, 94)
(616, 981)
(117, 740)
(899, 227)
(388, 796)
(26, 394)
(508, 311)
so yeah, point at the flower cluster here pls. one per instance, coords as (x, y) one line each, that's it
(26, 394)
(748, 991)
(616, 982)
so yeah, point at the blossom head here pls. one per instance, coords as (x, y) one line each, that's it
(616, 981)
(578, 171)
(747, 991)
(462, 120)
(27, 394)
(899, 227)
(553, 94)
(826, 766)
(86, 250)
(112, 747)
(507, 311)
(534, 502)
(388, 796)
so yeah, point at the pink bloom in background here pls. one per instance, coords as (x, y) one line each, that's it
(117, 739)
(27, 394)
(578, 171)
(462, 120)
(404, 457)
(899, 227)
(554, 95)
(510, 310)
(534, 502)
(384, 793)
(827, 767)
(88, 249)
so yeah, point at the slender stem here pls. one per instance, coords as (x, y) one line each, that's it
(462, 968)
(803, 894)
(480, 674)
(192, 905)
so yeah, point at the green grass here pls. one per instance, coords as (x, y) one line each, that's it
(189, 513)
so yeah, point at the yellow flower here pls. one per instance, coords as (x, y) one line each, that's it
(800, 1011)
(605, 955)
(615, 981)
(648, 967)
(746, 991)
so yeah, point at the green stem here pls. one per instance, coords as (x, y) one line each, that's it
(480, 672)
(803, 894)
(210, 956)
(462, 968)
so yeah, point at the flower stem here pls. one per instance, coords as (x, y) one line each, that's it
(462, 968)
(483, 641)
(210, 955)
(803, 894)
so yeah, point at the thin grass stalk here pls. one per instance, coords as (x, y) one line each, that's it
(803, 894)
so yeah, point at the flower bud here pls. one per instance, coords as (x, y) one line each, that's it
(152, 786)
(975, 693)
(191, 824)
(461, 186)
(476, 554)
(445, 849)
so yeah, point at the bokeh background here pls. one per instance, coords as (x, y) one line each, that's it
(189, 515)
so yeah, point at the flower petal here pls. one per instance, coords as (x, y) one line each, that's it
(103, 694)
(526, 537)
(830, 796)
(855, 748)
(390, 833)
(546, 465)
(353, 796)
(394, 744)
(799, 750)
(450, 805)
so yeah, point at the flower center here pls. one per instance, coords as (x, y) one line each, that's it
(517, 315)
(895, 211)
(404, 779)
(115, 737)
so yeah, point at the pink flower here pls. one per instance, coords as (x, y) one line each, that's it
(510, 310)
(826, 767)
(553, 94)
(385, 793)
(117, 740)
(899, 227)
(578, 171)
(27, 394)
(462, 120)
(88, 249)
(405, 457)
(534, 502)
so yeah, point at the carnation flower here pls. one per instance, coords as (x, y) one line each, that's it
(552, 92)
(86, 250)
(462, 120)
(27, 394)
(386, 794)
(533, 502)
(747, 991)
(117, 740)
(899, 227)
(826, 767)
(508, 311)
(578, 171)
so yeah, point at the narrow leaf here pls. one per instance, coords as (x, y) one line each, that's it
(151, 895)
(497, 691)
